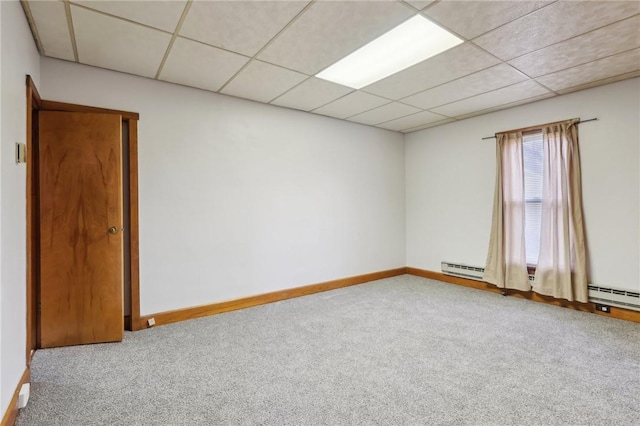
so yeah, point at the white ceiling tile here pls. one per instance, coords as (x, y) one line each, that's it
(505, 106)
(506, 95)
(353, 103)
(262, 82)
(606, 41)
(311, 94)
(429, 125)
(115, 44)
(412, 121)
(609, 80)
(163, 15)
(420, 4)
(199, 65)
(621, 63)
(483, 81)
(51, 21)
(554, 23)
(330, 30)
(450, 65)
(564, 45)
(240, 26)
(472, 18)
(384, 113)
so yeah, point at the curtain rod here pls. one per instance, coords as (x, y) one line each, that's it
(536, 127)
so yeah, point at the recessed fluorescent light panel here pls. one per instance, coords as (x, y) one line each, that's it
(407, 44)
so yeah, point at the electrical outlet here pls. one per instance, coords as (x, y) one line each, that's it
(603, 308)
(23, 397)
(151, 322)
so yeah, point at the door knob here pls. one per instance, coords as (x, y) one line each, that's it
(113, 230)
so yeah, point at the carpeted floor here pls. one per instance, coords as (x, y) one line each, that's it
(400, 351)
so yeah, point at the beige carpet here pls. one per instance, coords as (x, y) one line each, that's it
(399, 351)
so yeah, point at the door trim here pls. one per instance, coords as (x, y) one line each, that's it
(62, 106)
(34, 104)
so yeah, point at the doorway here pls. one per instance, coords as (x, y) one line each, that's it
(129, 185)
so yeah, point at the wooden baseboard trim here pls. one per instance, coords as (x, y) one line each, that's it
(619, 313)
(169, 317)
(453, 280)
(10, 415)
(32, 352)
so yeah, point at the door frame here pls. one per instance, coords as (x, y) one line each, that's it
(35, 104)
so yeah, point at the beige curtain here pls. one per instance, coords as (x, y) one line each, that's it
(506, 265)
(561, 269)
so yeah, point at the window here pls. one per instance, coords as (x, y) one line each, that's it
(533, 168)
(537, 215)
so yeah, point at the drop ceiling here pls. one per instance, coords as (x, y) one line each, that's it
(514, 52)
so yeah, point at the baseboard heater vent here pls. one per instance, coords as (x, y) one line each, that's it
(609, 296)
(614, 297)
(464, 271)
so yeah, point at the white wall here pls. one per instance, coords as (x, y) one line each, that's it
(239, 198)
(19, 58)
(1, 144)
(450, 176)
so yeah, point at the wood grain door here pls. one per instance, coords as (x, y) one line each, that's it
(81, 243)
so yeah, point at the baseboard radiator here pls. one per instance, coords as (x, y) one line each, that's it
(461, 270)
(611, 296)
(608, 296)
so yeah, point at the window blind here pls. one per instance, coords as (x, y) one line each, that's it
(533, 170)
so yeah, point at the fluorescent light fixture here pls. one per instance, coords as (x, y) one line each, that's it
(407, 44)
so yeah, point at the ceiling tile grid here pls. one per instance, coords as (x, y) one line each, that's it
(426, 126)
(269, 51)
(557, 22)
(508, 105)
(594, 45)
(454, 63)
(200, 65)
(311, 94)
(412, 121)
(621, 63)
(480, 82)
(608, 80)
(262, 82)
(51, 21)
(420, 4)
(473, 18)
(516, 92)
(384, 113)
(351, 104)
(330, 30)
(219, 23)
(107, 42)
(164, 15)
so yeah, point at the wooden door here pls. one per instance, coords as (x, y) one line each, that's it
(81, 244)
